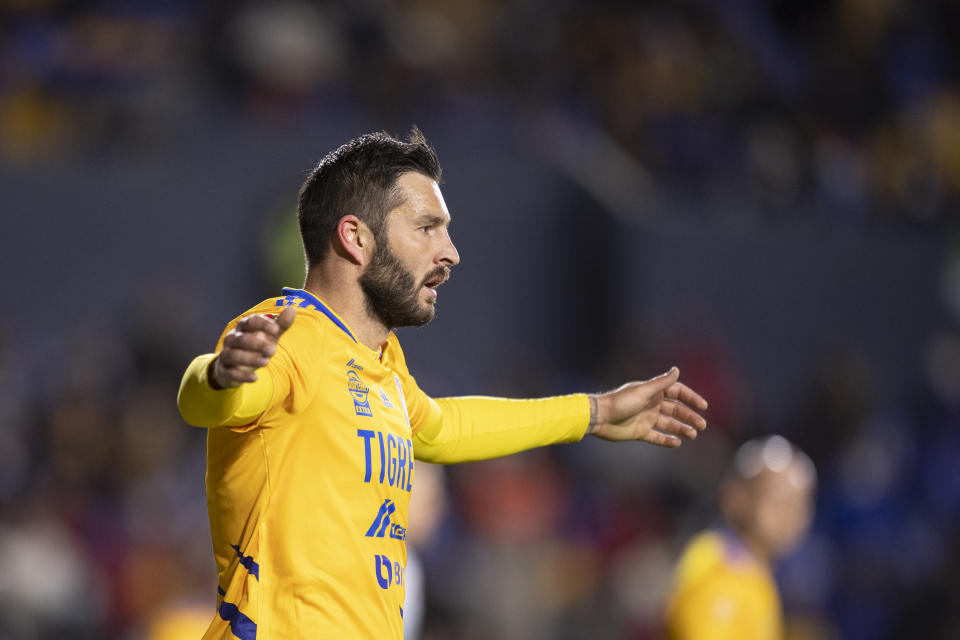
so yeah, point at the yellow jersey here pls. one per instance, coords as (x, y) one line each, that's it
(310, 468)
(723, 591)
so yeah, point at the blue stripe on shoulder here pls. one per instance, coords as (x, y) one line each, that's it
(301, 298)
(240, 625)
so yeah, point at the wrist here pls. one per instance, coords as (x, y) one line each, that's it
(594, 411)
(212, 375)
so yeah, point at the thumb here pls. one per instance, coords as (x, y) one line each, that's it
(664, 380)
(285, 319)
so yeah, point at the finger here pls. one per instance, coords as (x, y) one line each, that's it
(241, 358)
(661, 439)
(674, 427)
(263, 323)
(286, 318)
(238, 374)
(683, 413)
(258, 342)
(663, 381)
(686, 395)
(231, 376)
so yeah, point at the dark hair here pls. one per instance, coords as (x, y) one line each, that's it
(359, 178)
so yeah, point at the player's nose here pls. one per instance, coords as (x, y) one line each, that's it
(448, 254)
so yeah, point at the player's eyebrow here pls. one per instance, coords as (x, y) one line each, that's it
(431, 220)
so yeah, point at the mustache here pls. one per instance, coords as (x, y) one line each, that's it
(440, 274)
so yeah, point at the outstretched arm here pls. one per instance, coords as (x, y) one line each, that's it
(660, 411)
(472, 428)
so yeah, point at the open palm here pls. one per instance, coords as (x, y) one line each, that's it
(660, 411)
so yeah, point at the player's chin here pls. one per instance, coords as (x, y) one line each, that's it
(428, 299)
(424, 314)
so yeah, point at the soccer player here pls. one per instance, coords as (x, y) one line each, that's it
(723, 588)
(315, 422)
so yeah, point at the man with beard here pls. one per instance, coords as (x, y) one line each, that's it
(314, 425)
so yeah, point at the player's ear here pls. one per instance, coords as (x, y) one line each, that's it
(354, 239)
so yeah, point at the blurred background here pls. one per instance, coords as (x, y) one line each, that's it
(763, 192)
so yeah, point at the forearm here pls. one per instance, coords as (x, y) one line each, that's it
(479, 428)
(203, 406)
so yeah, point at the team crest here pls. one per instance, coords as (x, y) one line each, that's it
(359, 392)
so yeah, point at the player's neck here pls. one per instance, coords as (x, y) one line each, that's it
(753, 543)
(742, 538)
(345, 298)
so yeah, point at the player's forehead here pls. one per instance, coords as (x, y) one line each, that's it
(783, 485)
(421, 199)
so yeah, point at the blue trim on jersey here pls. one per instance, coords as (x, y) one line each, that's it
(310, 300)
(735, 548)
(240, 625)
(221, 592)
(247, 562)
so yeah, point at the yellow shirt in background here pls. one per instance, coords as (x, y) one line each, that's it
(723, 591)
(309, 472)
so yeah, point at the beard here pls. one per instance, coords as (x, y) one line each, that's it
(391, 293)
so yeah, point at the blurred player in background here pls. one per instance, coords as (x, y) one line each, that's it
(315, 421)
(723, 587)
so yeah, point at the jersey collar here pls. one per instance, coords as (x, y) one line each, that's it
(300, 298)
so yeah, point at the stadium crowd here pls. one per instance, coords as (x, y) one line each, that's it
(847, 105)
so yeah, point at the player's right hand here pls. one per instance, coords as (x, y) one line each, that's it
(247, 348)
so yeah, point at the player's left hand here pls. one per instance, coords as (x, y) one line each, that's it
(660, 411)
